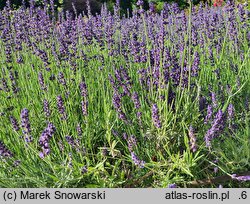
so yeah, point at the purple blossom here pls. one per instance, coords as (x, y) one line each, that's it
(84, 170)
(131, 142)
(139, 3)
(25, 124)
(46, 108)
(240, 178)
(61, 79)
(137, 161)
(41, 81)
(14, 123)
(155, 116)
(61, 108)
(4, 151)
(172, 185)
(83, 89)
(214, 100)
(209, 113)
(84, 107)
(218, 125)
(136, 100)
(44, 139)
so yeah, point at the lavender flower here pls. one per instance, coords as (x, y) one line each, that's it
(83, 89)
(214, 101)
(172, 185)
(136, 100)
(137, 161)
(131, 142)
(44, 139)
(217, 127)
(4, 151)
(139, 3)
(25, 124)
(79, 130)
(61, 108)
(84, 107)
(61, 79)
(209, 113)
(84, 169)
(155, 116)
(46, 108)
(41, 81)
(14, 123)
(240, 178)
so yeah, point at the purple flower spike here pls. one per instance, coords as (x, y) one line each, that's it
(46, 108)
(14, 123)
(83, 89)
(25, 124)
(137, 161)
(217, 127)
(209, 113)
(4, 151)
(214, 101)
(155, 116)
(61, 108)
(240, 178)
(136, 100)
(44, 139)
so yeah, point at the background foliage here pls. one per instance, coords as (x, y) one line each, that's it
(125, 4)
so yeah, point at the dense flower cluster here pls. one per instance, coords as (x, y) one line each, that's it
(147, 77)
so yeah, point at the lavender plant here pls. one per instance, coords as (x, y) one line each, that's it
(130, 86)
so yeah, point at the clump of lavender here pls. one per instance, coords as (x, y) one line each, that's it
(155, 116)
(14, 123)
(46, 108)
(61, 108)
(193, 145)
(4, 151)
(44, 139)
(137, 161)
(218, 125)
(25, 124)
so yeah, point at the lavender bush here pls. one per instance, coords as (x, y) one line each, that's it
(100, 101)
